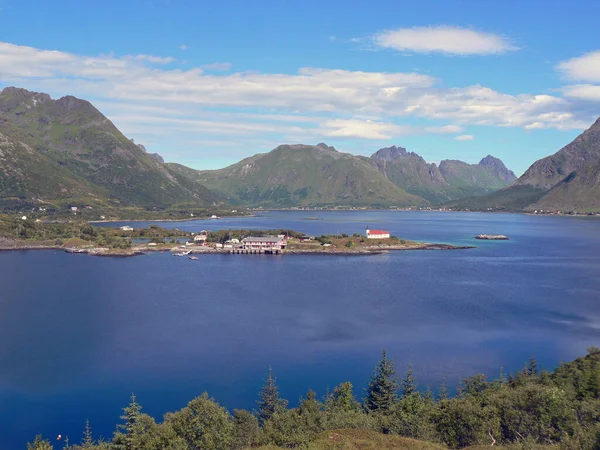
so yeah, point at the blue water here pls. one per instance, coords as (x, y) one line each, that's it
(79, 333)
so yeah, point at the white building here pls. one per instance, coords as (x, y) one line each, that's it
(268, 243)
(200, 239)
(377, 234)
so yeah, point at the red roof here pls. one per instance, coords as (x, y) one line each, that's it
(378, 232)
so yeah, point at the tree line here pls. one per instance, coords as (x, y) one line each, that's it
(529, 408)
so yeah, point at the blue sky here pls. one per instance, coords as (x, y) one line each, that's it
(208, 83)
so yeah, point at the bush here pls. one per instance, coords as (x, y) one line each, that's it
(204, 424)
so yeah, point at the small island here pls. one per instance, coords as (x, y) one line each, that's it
(81, 237)
(492, 237)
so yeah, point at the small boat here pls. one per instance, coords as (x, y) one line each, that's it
(193, 257)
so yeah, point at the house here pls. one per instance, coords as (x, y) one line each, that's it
(266, 243)
(126, 228)
(377, 234)
(200, 239)
(74, 208)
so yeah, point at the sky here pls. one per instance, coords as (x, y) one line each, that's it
(208, 83)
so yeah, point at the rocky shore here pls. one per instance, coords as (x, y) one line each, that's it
(186, 250)
(492, 237)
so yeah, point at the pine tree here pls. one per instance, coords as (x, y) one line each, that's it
(443, 391)
(428, 394)
(87, 441)
(269, 402)
(502, 378)
(383, 387)
(532, 369)
(125, 432)
(409, 383)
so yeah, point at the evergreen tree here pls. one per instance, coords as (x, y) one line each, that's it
(270, 403)
(532, 368)
(409, 383)
(39, 443)
(342, 398)
(87, 441)
(429, 395)
(383, 387)
(125, 432)
(443, 391)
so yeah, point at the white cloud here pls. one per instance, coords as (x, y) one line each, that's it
(218, 66)
(582, 92)
(142, 95)
(363, 129)
(445, 39)
(155, 59)
(446, 129)
(464, 137)
(583, 68)
(184, 47)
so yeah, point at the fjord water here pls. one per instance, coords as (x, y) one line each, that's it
(79, 334)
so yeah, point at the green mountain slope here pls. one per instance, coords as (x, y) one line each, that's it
(304, 175)
(451, 180)
(26, 178)
(580, 191)
(73, 134)
(566, 181)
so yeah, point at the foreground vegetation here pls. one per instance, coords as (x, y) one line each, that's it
(525, 410)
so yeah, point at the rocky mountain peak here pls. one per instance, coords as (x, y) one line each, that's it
(490, 160)
(326, 147)
(389, 153)
(13, 97)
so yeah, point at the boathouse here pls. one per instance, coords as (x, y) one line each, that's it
(264, 244)
(377, 234)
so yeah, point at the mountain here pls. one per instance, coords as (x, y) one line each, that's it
(65, 149)
(568, 180)
(451, 180)
(579, 191)
(303, 175)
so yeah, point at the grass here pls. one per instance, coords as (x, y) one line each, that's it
(372, 440)
(363, 440)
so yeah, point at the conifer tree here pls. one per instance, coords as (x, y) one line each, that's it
(383, 387)
(443, 391)
(532, 369)
(269, 402)
(409, 383)
(342, 398)
(87, 441)
(125, 432)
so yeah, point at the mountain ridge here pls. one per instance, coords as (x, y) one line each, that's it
(568, 180)
(451, 179)
(73, 134)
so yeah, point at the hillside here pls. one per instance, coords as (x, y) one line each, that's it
(65, 150)
(580, 191)
(303, 175)
(451, 180)
(530, 409)
(568, 180)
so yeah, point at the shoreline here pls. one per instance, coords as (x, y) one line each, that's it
(167, 220)
(141, 250)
